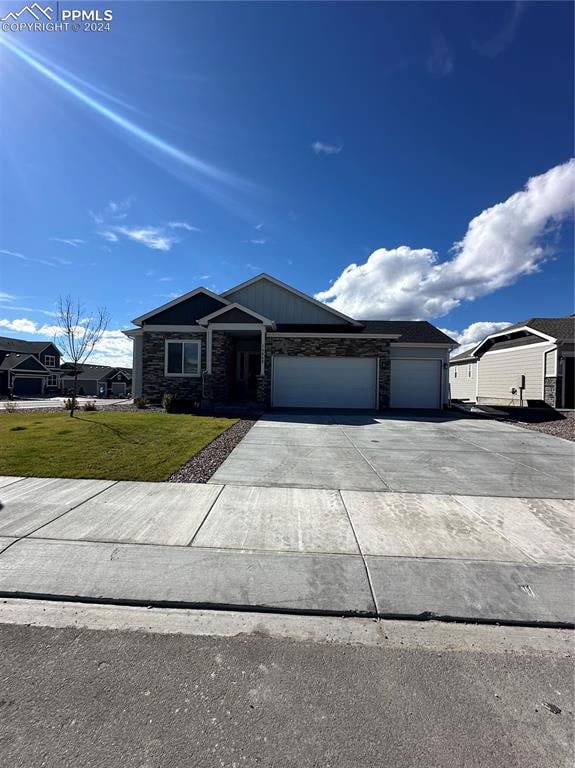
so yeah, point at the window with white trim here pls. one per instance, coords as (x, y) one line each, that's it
(183, 358)
(52, 381)
(50, 361)
(455, 372)
(470, 371)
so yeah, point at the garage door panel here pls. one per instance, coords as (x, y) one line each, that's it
(415, 383)
(27, 386)
(324, 382)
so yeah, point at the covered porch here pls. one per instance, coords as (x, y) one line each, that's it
(235, 355)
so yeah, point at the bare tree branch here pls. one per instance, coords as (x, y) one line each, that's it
(78, 334)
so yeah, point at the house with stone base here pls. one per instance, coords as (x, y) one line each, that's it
(265, 342)
(529, 363)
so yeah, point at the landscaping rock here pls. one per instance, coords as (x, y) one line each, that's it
(202, 466)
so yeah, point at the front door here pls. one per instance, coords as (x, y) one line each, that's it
(248, 370)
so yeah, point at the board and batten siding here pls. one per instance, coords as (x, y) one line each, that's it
(499, 371)
(426, 353)
(275, 302)
(463, 380)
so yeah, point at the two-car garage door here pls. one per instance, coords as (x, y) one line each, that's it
(351, 382)
(324, 382)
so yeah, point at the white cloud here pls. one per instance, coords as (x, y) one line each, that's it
(440, 62)
(502, 39)
(21, 256)
(321, 148)
(501, 244)
(6, 296)
(73, 241)
(474, 333)
(257, 241)
(152, 237)
(20, 325)
(183, 225)
(114, 210)
(113, 349)
(14, 308)
(108, 235)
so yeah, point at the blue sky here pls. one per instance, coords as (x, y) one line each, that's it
(202, 143)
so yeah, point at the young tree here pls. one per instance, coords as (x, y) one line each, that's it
(78, 334)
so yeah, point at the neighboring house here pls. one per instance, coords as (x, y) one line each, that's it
(28, 368)
(265, 341)
(463, 376)
(527, 363)
(97, 380)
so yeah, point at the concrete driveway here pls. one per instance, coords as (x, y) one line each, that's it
(432, 453)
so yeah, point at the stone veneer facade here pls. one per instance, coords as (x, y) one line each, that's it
(155, 383)
(551, 390)
(217, 386)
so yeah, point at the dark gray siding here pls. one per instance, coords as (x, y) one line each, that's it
(186, 312)
(235, 315)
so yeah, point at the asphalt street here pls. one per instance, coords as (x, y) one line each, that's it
(82, 697)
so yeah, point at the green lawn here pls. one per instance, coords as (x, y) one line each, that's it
(103, 445)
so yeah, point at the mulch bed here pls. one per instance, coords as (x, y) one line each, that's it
(202, 466)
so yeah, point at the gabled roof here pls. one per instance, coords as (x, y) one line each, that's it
(8, 344)
(410, 331)
(221, 313)
(93, 372)
(552, 329)
(286, 287)
(17, 359)
(461, 357)
(559, 328)
(179, 300)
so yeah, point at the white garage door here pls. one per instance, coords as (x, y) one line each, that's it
(415, 383)
(324, 382)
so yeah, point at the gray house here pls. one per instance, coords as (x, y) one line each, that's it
(28, 368)
(527, 363)
(97, 380)
(267, 342)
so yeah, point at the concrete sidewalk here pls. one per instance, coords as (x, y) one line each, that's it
(296, 550)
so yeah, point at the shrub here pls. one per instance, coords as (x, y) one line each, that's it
(9, 407)
(140, 402)
(68, 404)
(168, 402)
(90, 406)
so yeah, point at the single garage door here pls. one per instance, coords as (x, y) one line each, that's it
(27, 387)
(324, 382)
(415, 383)
(118, 387)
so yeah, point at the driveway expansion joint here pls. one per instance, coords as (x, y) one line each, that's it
(365, 565)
